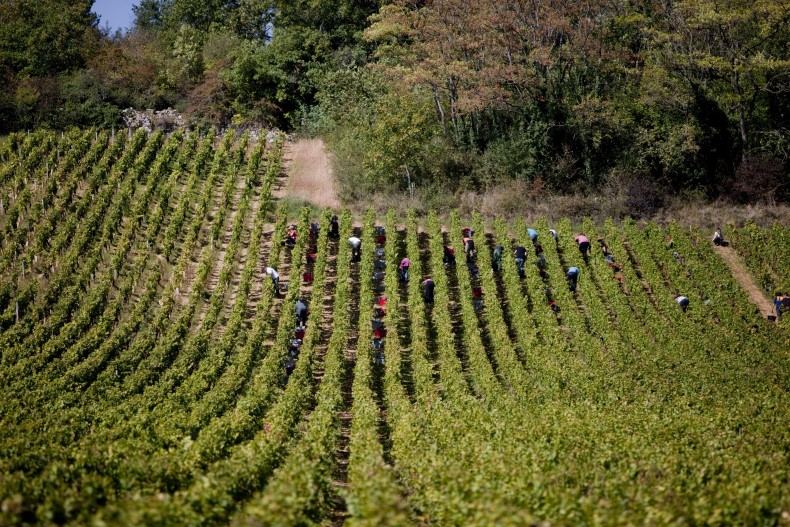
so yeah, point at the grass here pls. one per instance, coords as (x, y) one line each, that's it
(515, 200)
(295, 206)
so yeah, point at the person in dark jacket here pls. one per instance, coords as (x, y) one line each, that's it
(469, 249)
(334, 228)
(584, 244)
(428, 287)
(521, 255)
(449, 255)
(300, 308)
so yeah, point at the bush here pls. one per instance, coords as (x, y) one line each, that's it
(521, 155)
(644, 197)
(759, 179)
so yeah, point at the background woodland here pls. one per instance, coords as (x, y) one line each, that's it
(652, 98)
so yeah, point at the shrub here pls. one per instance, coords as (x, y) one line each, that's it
(644, 197)
(759, 179)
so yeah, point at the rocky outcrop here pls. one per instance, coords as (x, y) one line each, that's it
(169, 120)
(166, 120)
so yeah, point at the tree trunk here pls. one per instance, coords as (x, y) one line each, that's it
(742, 125)
(439, 108)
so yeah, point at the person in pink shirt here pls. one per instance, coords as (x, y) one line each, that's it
(584, 244)
(290, 236)
(404, 269)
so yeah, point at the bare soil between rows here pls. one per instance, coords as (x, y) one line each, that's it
(309, 172)
(746, 280)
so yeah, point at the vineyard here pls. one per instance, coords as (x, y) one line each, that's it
(150, 374)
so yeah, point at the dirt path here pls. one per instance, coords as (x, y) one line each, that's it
(746, 280)
(309, 173)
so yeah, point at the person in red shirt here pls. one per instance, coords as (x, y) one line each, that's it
(290, 236)
(449, 255)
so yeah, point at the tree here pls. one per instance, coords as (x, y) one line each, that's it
(150, 14)
(46, 37)
(246, 18)
(736, 50)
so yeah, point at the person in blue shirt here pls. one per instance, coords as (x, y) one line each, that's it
(572, 277)
(533, 235)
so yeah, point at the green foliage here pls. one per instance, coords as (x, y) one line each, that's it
(443, 95)
(143, 381)
(678, 93)
(87, 101)
(149, 14)
(46, 37)
(523, 154)
(384, 142)
(186, 67)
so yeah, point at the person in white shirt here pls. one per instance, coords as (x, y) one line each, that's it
(356, 245)
(718, 238)
(275, 276)
(683, 302)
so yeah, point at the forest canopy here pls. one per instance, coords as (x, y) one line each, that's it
(441, 95)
